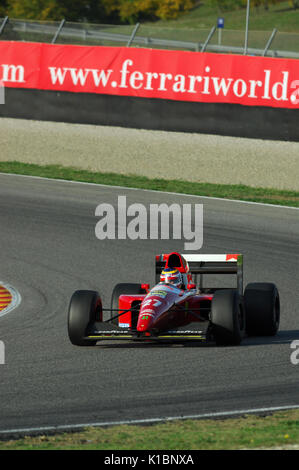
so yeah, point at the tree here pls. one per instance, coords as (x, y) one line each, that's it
(71, 10)
(171, 9)
(115, 11)
(235, 4)
(294, 3)
(132, 11)
(3, 8)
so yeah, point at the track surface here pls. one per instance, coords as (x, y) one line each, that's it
(49, 249)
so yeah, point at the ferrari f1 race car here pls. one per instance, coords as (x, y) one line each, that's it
(181, 311)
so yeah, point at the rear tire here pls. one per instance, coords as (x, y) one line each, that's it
(227, 317)
(262, 307)
(84, 309)
(123, 289)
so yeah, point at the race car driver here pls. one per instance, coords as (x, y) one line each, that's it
(172, 276)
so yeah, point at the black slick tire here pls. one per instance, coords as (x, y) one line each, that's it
(227, 317)
(84, 309)
(262, 307)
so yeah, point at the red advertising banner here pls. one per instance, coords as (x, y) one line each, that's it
(170, 75)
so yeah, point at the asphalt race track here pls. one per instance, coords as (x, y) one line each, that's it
(49, 249)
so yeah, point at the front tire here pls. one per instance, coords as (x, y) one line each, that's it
(227, 317)
(84, 309)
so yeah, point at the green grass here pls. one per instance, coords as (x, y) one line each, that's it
(279, 429)
(240, 192)
(281, 16)
(195, 26)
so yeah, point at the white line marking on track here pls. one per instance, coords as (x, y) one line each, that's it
(151, 190)
(220, 414)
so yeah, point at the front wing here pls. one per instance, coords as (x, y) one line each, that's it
(105, 331)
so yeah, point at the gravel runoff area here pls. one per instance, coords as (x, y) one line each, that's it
(155, 154)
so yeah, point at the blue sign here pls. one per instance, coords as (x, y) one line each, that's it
(220, 23)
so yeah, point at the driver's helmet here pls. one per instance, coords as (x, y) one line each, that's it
(171, 276)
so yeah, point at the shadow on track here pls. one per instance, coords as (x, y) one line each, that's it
(283, 337)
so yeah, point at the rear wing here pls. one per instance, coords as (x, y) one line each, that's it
(200, 264)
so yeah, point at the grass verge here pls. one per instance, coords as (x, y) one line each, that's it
(240, 192)
(279, 429)
(280, 15)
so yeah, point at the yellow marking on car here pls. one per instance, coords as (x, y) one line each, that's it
(140, 338)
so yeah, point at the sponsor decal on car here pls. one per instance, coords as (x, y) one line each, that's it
(158, 293)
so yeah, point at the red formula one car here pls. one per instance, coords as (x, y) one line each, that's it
(179, 311)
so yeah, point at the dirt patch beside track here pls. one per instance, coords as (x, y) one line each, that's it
(155, 154)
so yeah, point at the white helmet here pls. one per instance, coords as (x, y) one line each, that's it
(171, 276)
